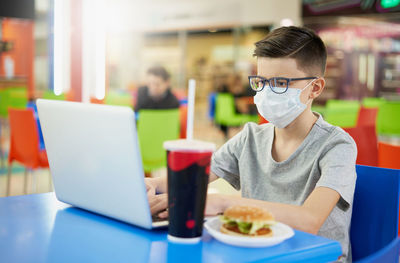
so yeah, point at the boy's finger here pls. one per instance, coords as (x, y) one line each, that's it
(158, 203)
(163, 214)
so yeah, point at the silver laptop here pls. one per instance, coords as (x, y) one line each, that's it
(95, 159)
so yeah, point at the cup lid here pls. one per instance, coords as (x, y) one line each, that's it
(189, 145)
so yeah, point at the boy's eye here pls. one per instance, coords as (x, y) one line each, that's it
(281, 83)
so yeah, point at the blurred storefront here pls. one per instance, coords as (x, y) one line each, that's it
(17, 47)
(204, 40)
(363, 41)
(210, 56)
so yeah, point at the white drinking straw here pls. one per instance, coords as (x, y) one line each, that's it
(189, 127)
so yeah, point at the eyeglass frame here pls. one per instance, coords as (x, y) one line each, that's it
(275, 78)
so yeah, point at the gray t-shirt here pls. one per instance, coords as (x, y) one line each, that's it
(325, 158)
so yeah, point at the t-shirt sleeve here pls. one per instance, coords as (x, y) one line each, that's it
(338, 168)
(225, 161)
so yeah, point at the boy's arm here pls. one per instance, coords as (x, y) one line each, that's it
(159, 184)
(212, 177)
(308, 217)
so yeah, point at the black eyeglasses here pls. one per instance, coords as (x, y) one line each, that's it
(278, 85)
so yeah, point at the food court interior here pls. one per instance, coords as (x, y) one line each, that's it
(103, 51)
(46, 51)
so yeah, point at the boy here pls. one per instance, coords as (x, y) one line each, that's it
(157, 94)
(298, 167)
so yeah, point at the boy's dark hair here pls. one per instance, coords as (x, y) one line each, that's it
(300, 43)
(159, 71)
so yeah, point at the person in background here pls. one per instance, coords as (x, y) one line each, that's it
(233, 84)
(157, 94)
(243, 95)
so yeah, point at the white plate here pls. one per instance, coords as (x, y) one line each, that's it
(280, 232)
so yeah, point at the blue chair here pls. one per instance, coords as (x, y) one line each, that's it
(390, 253)
(32, 105)
(211, 105)
(375, 219)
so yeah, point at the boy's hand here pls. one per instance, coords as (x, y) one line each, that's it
(216, 204)
(150, 187)
(157, 202)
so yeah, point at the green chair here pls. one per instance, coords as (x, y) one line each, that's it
(342, 113)
(119, 99)
(49, 95)
(319, 108)
(17, 97)
(373, 102)
(3, 116)
(154, 128)
(4, 101)
(225, 112)
(388, 120)
(13, 97)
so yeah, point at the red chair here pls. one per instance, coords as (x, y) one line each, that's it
(261, 119)
(24, 144)
(180, 95)
(367, 144)
(367, 117)
(389, 155)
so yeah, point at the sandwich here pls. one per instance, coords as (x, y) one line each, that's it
(248, 221)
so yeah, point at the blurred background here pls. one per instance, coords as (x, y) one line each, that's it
(98, 51)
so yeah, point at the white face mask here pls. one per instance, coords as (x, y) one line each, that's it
(280, 109)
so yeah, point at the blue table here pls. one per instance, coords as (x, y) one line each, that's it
(39, 228)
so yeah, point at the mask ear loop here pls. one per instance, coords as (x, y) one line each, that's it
(309, 99)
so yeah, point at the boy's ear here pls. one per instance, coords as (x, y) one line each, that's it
(317, 88)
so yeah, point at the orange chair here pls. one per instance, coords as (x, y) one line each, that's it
(389, 155)
(367, 144)
(96, 101)
(183, 110)
(24, 144)
(367, 116)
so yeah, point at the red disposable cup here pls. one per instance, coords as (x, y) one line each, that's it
(188, 164)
